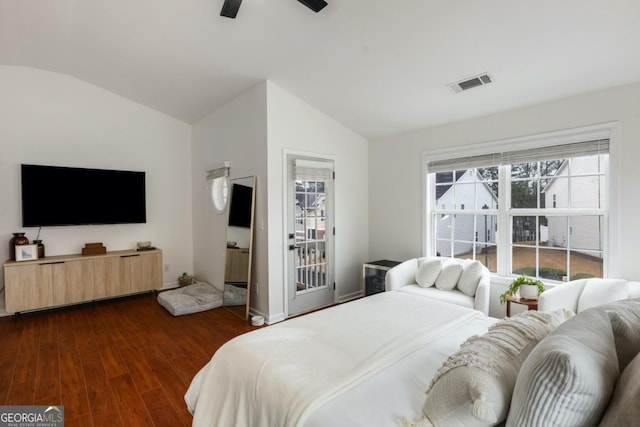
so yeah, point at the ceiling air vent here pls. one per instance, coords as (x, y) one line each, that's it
(471, 82)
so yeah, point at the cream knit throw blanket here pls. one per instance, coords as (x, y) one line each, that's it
(503, 341)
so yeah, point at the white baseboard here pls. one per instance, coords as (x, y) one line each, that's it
(269, 320)
(167, 286)
(351, 296)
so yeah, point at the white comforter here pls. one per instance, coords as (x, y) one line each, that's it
(279, 375)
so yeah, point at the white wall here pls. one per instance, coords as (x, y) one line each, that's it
(237, 132)
(252, 132)
(54, 119)
(395, 199)
(296, 126)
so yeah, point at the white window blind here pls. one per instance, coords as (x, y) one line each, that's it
(561, 151)
(217, 173)
(311, 170)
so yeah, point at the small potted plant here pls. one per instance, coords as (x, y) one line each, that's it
(527, 287)
(185, 279)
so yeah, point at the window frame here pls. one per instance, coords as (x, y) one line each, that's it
(610, 245)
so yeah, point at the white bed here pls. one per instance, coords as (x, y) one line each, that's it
(365, 363)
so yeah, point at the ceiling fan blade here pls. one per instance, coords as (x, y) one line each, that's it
(230, 8)
(315, 5)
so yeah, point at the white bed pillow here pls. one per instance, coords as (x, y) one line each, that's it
(428, 272)
(448, 277)
(474, 385)
(600, 291)
(468, 282)
(568, 378)
(623, 408)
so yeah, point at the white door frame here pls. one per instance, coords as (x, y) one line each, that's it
(285, 217)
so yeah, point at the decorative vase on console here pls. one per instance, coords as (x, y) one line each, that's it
(17, 240)
(40, 248)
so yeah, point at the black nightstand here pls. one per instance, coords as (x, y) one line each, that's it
(373, 274)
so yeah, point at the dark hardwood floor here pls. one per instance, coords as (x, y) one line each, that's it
(123, 362)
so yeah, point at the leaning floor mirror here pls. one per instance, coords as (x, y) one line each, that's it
(237, 272)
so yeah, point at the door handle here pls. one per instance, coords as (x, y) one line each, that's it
(292, 247)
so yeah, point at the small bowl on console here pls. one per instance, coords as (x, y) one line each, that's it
(144, 245)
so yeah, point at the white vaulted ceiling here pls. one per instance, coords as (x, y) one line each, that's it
(380, 67)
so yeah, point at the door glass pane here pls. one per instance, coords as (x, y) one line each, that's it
(310, 235)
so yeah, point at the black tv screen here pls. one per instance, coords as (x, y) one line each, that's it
(240, 209)
(54, 195)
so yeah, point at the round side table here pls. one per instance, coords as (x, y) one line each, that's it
(532, 304)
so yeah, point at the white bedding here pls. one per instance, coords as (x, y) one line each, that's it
(297, 372)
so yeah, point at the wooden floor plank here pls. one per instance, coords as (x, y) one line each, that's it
(104, 409)
(48, 374)
(28, 360)
(6, 375)
(140, 371)
(130, 404)
(21, 393)
(12, 339)
(161, 413)
(82, 420)
(73, 388)
(124, 362)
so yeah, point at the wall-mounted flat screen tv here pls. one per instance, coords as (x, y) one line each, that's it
(54, 195)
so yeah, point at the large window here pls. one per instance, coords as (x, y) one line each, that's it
(538, 212)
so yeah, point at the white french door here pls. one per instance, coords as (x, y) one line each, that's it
(310, 203)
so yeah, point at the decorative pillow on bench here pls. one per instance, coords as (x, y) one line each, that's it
(448, 277)
(468, 282)
(428, 272)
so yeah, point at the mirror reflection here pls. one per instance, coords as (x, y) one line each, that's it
(237, 274)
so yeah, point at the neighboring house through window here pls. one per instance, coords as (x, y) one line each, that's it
(529, 208)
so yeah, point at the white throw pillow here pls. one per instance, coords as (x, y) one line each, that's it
(473, 387)
(623, 408)
(602, 291)
(448, 278)
(568, 378)
(428, 272)
(468, 282)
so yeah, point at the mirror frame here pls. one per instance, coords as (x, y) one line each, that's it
(254, 180)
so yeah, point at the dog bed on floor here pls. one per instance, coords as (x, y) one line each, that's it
(190, 299)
